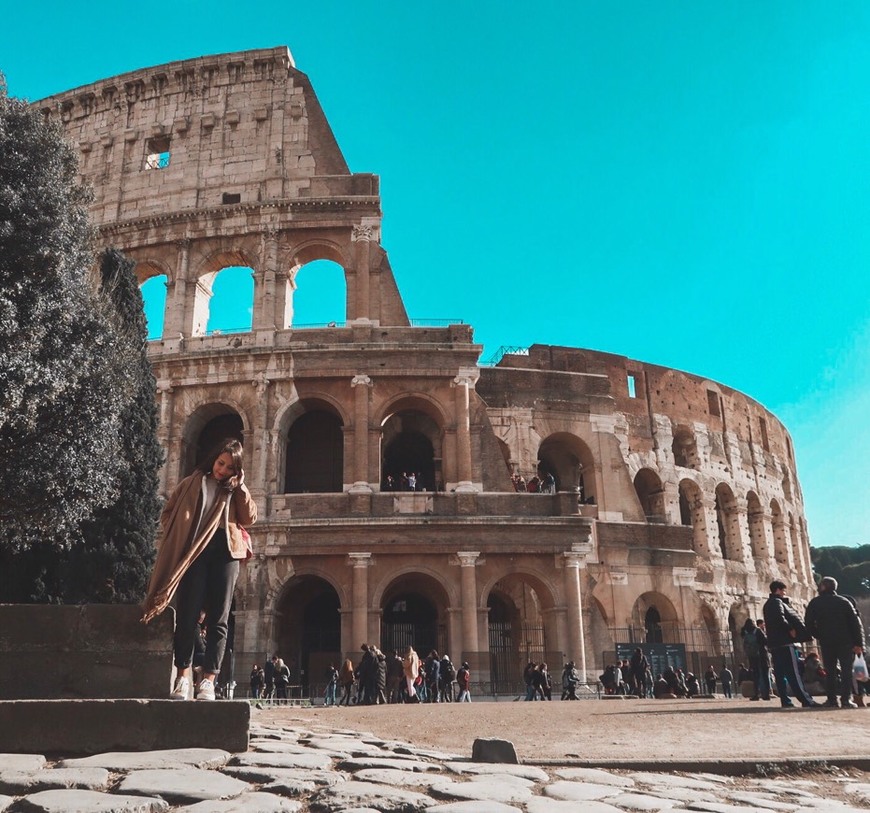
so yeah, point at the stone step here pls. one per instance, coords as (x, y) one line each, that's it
(97, 726)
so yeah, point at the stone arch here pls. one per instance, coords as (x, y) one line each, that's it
(312, 448)
(315, 250)
(685, 448)
(412, 440)
(520, 626)
(307, 630)
(414, 608)
(655, 617)
(651, 495)
(796, 552)
(780, 543)
(148, 268)
(728, 524)
(692, 513)
(207, 425)
(205, 274)
(319, 295)
(757, 535)
(570, 461)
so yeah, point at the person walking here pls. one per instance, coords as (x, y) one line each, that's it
(833, 620)
(201, 545)
(346, 677)
(411, 665)
(331, 686)
(726, 678)
(463, 679)
(784, 628)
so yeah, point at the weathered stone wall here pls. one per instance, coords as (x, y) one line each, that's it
(681, 497)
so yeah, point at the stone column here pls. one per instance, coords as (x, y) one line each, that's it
(265, 307)
(175, 321)
(361, 238)
(464, 383)
(260, 434)
(574, 560)
(467, 563)
(361, 383)
(164, 428)
(360, 599)
(672, 503)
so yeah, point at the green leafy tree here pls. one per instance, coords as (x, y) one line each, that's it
(65, 378)
(850, 566)
(113, 559)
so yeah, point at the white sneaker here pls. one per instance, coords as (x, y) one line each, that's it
(205, 690)
(181, 690)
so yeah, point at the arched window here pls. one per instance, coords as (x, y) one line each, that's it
(231, 305)
(692, 513)
(154, 300)
(320, 295)
(755, 515)
(570, 462)
(727, 524)
(314, 459)
(780, 542)
(649, 490)
(411, 452)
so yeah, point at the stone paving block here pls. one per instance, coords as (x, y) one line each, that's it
(119, 761)
(88, 801)
(474, 807)
(596, 775)
(183, 785)
(260, 775)
(525, 771)
(19, 783)
(543, 804)
(641, 801)
(674, 780)
(423, 753)
(5, 803)
(367, 794)
(483, 789)
(580, 791)
(764, 801)
(494, 750)
(392, 776)
(246, 803)
(21, 762)
(277, 747)
(386, 762)
(313, 760)
(721, 807)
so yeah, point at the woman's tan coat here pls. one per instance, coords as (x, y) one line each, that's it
(177, 551)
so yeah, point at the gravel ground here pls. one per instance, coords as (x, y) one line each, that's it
(609, 729)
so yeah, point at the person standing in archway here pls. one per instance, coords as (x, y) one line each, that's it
(198, 557)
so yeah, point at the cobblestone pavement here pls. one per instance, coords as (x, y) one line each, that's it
(318, 768)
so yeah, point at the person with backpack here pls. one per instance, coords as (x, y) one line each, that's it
(446, 676)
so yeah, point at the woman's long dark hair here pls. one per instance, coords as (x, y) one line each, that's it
(230, 446)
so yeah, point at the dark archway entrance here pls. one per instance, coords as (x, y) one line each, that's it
(206, 428)
(414, 613)
(652, 623)
(309, 631)
(315, 454)
(409, 452)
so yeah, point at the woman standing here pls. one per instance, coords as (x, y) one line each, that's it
(198, 557)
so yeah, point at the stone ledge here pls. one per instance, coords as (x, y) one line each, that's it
(96, 726)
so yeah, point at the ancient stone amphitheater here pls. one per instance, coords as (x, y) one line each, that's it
(676, 498)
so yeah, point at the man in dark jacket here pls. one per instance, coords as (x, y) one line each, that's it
(784, 627)
(834, 621)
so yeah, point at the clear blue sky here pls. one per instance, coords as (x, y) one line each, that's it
(683, 183)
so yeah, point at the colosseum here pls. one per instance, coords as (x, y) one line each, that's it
(668, 501)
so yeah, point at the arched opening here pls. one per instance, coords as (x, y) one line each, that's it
(651, 494)
(780, 543)
(570, 462)
(314, 458)
(411, 445)
(797, 553)
(207, 427)
(154, 301)
(727, 524)
(692, 513)
(319, 295)
(654, 620)
(308, 633)
(414, 613)
(518, 632)
(685, 448)
(757, 537)
(228, 298)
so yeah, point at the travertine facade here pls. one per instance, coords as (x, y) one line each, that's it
(677, 498)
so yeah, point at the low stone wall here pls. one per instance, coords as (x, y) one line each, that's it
(89, 651)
